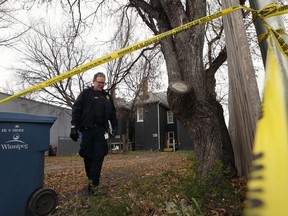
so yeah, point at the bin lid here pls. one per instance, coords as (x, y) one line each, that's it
(23, 117)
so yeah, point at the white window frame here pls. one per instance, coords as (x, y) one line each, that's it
(140, 114)
(170, 118)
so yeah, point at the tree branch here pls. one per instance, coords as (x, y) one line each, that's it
(218, 61)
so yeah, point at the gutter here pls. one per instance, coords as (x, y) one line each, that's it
(158, 125)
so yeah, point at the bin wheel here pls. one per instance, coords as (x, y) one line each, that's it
(43, 202)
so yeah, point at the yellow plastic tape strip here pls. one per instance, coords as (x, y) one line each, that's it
(282, 45)
(268, 9)
(264, 36)
(276, 34)
(124, 51)
(267, 187)
(273, 10)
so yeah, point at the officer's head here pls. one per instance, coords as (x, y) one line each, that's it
(99, 81)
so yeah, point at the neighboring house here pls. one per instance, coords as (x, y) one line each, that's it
(156, 128)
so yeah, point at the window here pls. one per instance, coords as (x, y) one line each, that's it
(170, 119)
(140, 114)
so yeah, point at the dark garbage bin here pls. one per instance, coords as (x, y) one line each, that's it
(24, 138)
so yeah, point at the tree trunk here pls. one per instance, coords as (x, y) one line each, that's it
(188, 95)
(203, 119)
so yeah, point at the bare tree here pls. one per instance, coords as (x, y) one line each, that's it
(7, 22)
(49, 52)
(47, 55)
(126, 74)
(190, 93)
(119, 69)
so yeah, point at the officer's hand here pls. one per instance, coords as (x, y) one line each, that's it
(74, 133)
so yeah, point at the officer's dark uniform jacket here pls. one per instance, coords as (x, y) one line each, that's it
(83, 109)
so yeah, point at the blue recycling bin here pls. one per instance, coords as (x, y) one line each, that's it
(24, 138)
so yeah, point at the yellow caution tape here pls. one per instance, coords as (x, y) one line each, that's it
(273, 9)
(264, 36)
(267, 187)
(268, 10)
(265, 12)
(276, 34)
(283, 46)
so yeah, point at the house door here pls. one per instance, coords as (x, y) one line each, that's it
(171, 140)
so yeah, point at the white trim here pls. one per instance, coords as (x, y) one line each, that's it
(158, 125)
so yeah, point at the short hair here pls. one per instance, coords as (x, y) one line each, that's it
(99, 74)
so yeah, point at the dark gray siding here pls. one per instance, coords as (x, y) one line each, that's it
(146, 132)
(185, 141)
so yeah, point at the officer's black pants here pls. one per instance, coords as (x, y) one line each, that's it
(93, 149)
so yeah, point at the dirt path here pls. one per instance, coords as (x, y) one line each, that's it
(66, 174)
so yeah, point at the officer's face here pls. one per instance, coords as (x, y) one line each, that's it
(99, 83)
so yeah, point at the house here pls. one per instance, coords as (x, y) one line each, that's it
(156, 128)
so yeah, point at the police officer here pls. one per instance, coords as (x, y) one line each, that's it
(93, 114)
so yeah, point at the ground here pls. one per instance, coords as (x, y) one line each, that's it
(66, 175)
(147, 183)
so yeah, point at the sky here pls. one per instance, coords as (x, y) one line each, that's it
(6, 58)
